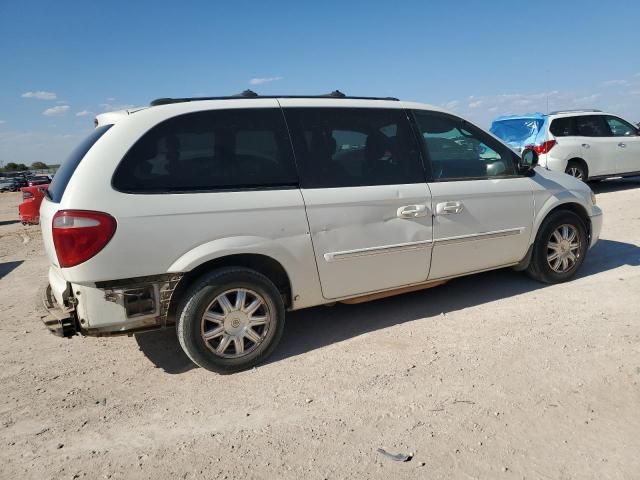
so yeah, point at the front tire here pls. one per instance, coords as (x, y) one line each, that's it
(560, 248)
(230, 320)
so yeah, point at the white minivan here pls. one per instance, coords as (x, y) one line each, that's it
(220, 214)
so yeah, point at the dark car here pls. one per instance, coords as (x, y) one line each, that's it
(12, 184)
(40, 180)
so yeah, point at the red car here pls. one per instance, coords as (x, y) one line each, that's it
(29, 209)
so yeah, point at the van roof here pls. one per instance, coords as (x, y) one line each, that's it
(248, 94)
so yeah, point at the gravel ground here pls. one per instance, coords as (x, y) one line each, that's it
(490, 376)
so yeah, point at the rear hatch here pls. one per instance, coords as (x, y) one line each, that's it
(53, 196)
(518, 131)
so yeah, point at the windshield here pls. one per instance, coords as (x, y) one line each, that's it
(517, 130)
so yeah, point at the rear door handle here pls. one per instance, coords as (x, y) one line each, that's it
(412, 211)
(447, 208)
(622, 145)
(586, 145)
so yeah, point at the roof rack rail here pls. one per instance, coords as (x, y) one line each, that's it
(579, 110)
(247, 94)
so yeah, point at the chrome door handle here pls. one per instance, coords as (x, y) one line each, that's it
(412, 211)
(447, 208)
(586, 145)
(622, 145)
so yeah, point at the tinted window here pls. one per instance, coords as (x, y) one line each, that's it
(345, 147)
(219, 149)
(562, 127)
(620, 128)
(63, 175)
(458, 150)
(591, 126)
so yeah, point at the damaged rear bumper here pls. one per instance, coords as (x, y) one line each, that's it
(59, 322)
(119, 307)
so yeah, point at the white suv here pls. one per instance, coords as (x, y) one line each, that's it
(221, 214)
(587, 144)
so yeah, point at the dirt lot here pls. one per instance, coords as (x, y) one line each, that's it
(491, 376)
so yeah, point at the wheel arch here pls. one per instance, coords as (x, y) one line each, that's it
(264, 264)
(582, 162)
(569, 204)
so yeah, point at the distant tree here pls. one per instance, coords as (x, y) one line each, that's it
(38, 166)
(11, 167)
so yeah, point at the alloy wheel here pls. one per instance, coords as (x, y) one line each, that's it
(235, 323)
(563, 248)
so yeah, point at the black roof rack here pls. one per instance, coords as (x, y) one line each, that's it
(252, 94)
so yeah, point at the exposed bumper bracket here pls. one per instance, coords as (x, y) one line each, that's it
(58, 321)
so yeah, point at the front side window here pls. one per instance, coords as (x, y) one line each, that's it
(213, 150)
(459, 151)
(349, 147)
(620, 128)
(592, 126)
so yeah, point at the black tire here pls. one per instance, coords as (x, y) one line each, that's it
(577, 170)
(198, 299)
(539, 267)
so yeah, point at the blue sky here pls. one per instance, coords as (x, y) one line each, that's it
(61, 62)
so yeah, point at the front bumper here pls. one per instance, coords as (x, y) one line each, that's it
(596, 225)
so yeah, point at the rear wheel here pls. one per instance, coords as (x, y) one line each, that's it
(231, 320)
(577, 170)
(559, 249)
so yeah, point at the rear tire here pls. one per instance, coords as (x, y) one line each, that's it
(577, 170)
(230, 320)
(560, 248)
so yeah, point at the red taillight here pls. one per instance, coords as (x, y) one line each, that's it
(78, 235)
(544, 147)
(26, 195)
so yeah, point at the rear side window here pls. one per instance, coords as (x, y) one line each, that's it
(213, 150)
(352, 147)
(591, 126)
(563, 127)
(65, 172)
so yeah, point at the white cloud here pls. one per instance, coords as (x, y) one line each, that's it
(83, 113)
(110, 107)
(110, 99)
(46, 147)
(588, 99)
(615, 83)
(40, 95)
(2, 121)
(59, 110)
(260, 81)
(451, 105)
(475, 104)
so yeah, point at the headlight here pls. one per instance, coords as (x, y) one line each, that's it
(593, 197)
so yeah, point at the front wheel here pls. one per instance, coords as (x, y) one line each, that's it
(559, 249)
(231, 320)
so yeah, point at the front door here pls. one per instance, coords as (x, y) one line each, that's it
(368, 205)
(597, 147)
(483, 210)
(626, 141)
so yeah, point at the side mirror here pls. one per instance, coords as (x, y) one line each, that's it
(528, 161)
